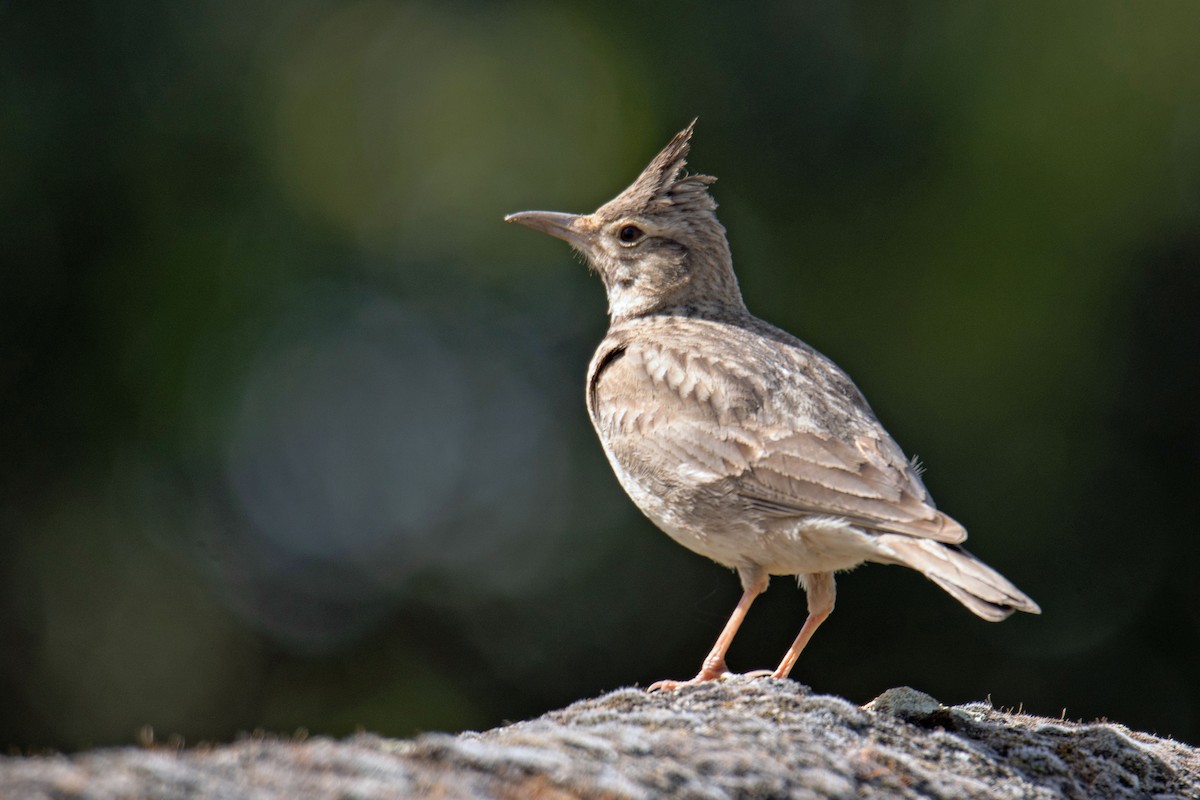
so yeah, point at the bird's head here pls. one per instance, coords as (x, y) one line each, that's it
(657, 245)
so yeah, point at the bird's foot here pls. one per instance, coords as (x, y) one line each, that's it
(706, 675)
(709, 672)
(670, 686)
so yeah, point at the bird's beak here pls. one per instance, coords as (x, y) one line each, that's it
(559, 225)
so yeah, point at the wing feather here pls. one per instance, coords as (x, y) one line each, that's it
(787, 442)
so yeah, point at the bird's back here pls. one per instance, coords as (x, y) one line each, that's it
(728, 428)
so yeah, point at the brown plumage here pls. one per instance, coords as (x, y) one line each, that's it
(737, 439)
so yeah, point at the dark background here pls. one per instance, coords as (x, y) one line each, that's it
(291, 424)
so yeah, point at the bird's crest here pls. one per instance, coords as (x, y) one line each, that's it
(663, 186)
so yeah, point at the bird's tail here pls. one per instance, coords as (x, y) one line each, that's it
(972, 582)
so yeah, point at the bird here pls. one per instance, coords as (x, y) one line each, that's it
(737, 439)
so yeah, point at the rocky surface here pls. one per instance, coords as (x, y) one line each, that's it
(730, 739)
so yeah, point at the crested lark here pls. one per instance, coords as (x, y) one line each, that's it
(737, 439)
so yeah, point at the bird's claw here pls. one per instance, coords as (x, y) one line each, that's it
(715, 672)
(705, 676)
(670, 686)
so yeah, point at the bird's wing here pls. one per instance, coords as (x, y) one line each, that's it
(786, 442)
(860, 480)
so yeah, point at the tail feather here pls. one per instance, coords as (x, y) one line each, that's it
(970, 581)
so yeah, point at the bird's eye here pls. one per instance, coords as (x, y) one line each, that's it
(629, 234)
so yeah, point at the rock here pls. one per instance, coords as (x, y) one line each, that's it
(736, 738)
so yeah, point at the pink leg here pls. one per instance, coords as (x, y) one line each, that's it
(820, 590)
(755, 583)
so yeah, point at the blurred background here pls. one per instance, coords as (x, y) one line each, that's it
(292, 430)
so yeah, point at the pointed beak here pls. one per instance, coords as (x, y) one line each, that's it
(559, 225)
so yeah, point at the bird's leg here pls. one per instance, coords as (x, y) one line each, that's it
(820, 590)
(754, 583)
